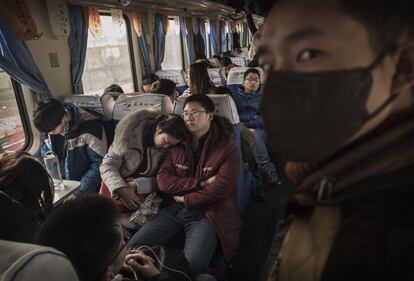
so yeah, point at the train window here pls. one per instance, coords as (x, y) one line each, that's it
(108, 59)
(173, 52)
(12, 134)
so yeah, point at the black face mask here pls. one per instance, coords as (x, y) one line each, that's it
(310, 115)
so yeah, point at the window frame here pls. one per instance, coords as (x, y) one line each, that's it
(23, 114)
(130, 49)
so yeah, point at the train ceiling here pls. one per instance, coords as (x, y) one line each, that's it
(219, 9)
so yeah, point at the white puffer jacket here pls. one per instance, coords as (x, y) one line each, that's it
(127, 151)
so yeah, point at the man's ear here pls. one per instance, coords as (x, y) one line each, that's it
(404, 74)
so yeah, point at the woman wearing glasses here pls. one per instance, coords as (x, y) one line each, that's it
(200, 177)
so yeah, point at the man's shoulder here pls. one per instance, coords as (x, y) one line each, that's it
(93, 127)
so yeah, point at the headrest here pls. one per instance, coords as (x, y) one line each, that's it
(214, 62)
(177, 76)
(100, 104)
(236, 74)
(217, 76)
(131, 102)
(238, 61)
(224, 105)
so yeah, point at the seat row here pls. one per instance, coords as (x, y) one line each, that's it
(111, 109)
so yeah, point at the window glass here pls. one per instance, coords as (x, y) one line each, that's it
(173, 52)
(108, 59)
(12, 136)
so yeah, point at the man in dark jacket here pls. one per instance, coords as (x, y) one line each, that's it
(338, 107)
(77, 138)
(200, 177)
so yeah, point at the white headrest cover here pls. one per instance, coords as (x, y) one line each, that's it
(176, 76)
(238, 61)
(214, 62)
(131, 102)
(236, 74)
(215, 76)
(102, 105)
(224, 105)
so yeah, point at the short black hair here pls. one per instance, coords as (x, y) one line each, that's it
(150, 79)
(48, 115)
(387, 21)
(163, 87)
(204, 100)
(113, 88)
(225, 61)
(173, 125)
(251, 70)
(85, 229)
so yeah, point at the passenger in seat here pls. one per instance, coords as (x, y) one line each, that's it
(113, 88)
(199, 81)
(200, 178)
(77, 138)
(247, 98)
(26, 196)
(226, 65)
(89, 232)
(147, 83)
(141, 139)
(165, 87)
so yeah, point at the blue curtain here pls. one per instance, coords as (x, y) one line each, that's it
(223, 37)
(188, 41)
(145, 53)
(159, 40)
(213, 39)
(17, 61)
(202, 29)
(78, 39)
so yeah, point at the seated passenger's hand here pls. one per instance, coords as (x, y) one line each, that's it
(179, 199)
(141, 263)
(129, 196)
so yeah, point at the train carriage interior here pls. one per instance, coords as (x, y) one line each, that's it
(218, 143)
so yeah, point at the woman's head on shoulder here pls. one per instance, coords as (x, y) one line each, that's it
(170, 130)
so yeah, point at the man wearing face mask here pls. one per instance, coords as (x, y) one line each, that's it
(77, 138)
(337, 106)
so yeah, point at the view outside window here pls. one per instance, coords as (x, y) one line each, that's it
(173, 58)
(107, 59)
(12, 137)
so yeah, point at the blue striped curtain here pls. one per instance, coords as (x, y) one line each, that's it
(202, 29)
(213, 39)
(188, 41)
(159, 40)
(17, 61)
(223, 37)
(142, 40)
(78, 39)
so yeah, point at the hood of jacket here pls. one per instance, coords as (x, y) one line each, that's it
(77, 116)
(130, 130)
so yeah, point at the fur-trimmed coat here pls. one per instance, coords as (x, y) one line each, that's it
(127, 151)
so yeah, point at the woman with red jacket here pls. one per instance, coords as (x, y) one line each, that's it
(200, 176)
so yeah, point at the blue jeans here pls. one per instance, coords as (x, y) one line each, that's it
(260, 152)
(200, 236)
